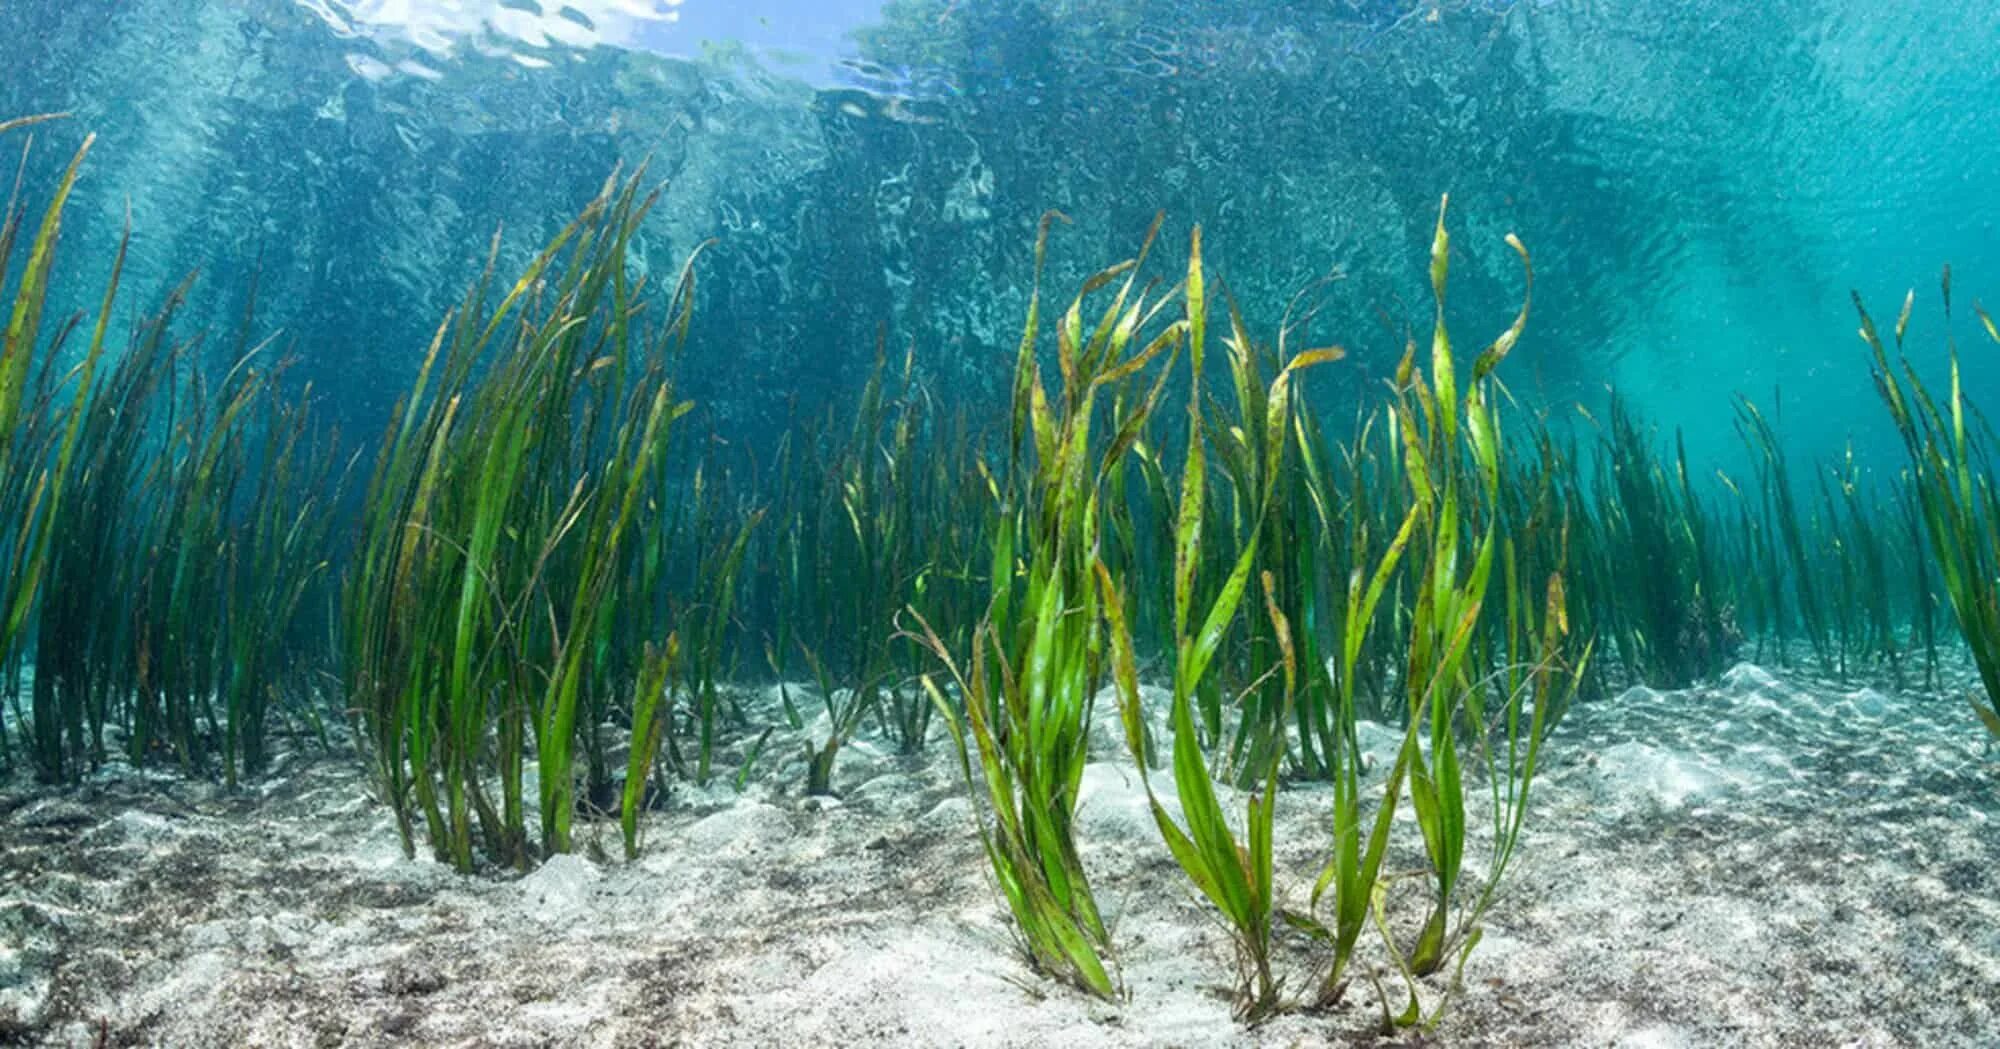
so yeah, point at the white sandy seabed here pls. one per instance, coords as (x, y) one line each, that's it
(1765, 862)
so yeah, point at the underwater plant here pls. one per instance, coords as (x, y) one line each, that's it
(714, 549)
(1451, 462)
(497, 526)
(1452, 459)
(649, 724)
(168, 532)
(207, 508)
(37, 439)
(866, 538)
(1236, 876)
(1037, 658)
(1866, 621)
(1272, 488)
(1439, 681)
(1950, 451)
(87, 647)
(1783, 519)
(1666, 613)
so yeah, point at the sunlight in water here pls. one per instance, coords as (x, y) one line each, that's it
(443, 27)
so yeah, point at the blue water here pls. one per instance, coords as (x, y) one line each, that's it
(1793, 855)
(1701, 183)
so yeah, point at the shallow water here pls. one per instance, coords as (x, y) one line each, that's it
(847, 199)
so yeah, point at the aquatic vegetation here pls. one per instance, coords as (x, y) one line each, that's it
(1666, 607)
(683, 578)
(1950, 450)
(31, 487)
(868, 532)
(1865, 599)
(1452, 458)
(1235, 664)
(1451, 461)
(1236, 876)
(1911, 541)
(649, 724)
(206, 508)
(507, 496)
(166, 538)
(274, 562)
(1438, 681)
(1272, 489)
(1037, 658)
(1782, 518)
(87, 646)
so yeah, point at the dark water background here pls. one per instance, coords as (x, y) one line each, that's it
(1701, 183)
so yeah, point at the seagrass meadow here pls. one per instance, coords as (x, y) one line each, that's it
(519, 530)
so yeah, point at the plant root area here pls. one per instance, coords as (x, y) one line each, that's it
(1766, 861)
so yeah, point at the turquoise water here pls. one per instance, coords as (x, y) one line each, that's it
(721, 626)
(1701, 185)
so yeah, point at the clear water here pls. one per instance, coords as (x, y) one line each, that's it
(1774, 855)
(1701, 184)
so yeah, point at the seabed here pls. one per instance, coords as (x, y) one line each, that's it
(1769, 861)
